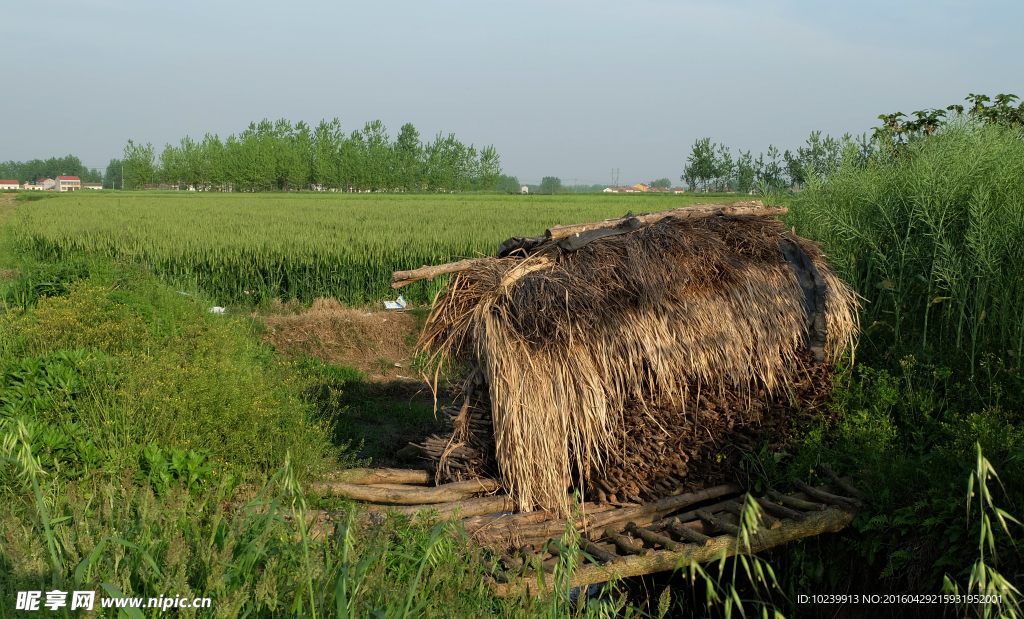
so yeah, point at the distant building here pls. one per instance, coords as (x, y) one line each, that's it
(524, 189)
(678, 190)
(92, 185)
(68, 183)
(9, 185)
(642, 187)
(611, 190)
(46, 184)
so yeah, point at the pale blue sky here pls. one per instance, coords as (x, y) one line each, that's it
(571, 89)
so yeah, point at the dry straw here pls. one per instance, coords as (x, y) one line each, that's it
(566, 340)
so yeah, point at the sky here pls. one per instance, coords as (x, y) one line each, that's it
(560, 88)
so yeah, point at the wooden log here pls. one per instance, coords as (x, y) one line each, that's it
(530, 531)
(795, 502)
(650, 536)
(825, 497)
(845, 487)
(690, 515)
(658, 509)
(754, 207)
(438, 494)
(689, 534)
(829, 521)
(503, 530)
(780, 511)
(498, 574)
(602, 556)
(382, 476)
(625, 544)
(465, 508)
(766, 519)
(401, 278)
(718, 523)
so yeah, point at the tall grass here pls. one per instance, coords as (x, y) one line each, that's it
(302, 246)
(933, 238)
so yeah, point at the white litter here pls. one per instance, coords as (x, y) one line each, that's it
(398, 303)
(217, 310)
(404, 377)
(184, 293)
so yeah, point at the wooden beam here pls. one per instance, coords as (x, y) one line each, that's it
(694, 211)
(401, 278)
(382, 476)
(754, 207)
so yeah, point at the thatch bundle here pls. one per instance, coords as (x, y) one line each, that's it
(568, 341)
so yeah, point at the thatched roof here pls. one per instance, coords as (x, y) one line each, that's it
(566, 339)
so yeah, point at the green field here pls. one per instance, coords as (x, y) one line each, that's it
(303, 246)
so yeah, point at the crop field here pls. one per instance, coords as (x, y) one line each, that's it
(303, 246)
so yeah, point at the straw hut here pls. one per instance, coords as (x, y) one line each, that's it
(618, 357)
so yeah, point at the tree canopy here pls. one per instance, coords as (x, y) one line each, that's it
(278, 155)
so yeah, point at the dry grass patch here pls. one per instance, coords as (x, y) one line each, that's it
(371, 341)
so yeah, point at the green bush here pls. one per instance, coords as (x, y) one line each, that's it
(171, 374)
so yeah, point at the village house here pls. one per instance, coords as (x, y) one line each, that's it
(642, 187)
(43, 184)
(524, 189)
(8, 185)
(92, 185)
(68, 183)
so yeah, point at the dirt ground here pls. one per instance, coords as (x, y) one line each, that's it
(379, 343)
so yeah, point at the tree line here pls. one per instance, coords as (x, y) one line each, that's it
(275, 156)
(30, 171)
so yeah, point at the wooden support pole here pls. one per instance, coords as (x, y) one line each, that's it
(754, 207)
(694, 211)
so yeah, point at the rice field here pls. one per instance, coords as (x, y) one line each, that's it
(303, 246)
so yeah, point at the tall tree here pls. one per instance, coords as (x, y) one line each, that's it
(661, 183)
(744, 172)
(139, 165)
(550, 185)
(702, 165)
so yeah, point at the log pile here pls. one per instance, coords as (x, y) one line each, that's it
(640, 546)
(519, 550)
(466, 451)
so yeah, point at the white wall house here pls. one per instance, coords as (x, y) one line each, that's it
(524, 189)
(9, 185)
